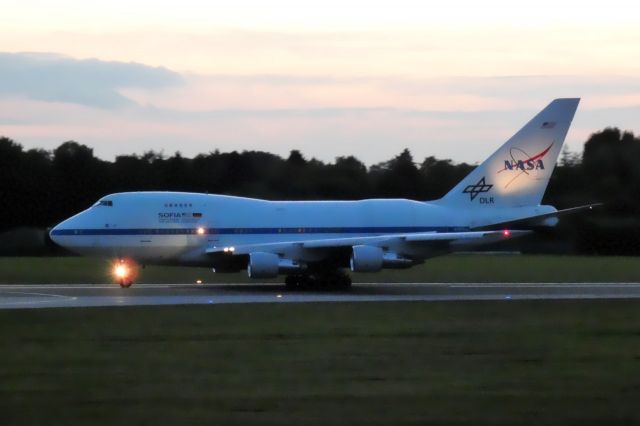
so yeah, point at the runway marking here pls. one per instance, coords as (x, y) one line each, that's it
(51, 297)
(240, 285)
(94, 295)
(545, 285)
(92, 286)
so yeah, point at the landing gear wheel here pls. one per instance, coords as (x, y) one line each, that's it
(299, 282)
(344, 282)
(292, 281)
(340, 281)
(125, 284)
(337, 280)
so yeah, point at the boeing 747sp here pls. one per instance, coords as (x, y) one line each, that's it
(314, 241)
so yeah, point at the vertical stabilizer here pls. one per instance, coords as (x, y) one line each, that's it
(517, 174)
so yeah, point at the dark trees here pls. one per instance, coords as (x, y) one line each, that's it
(39, 188)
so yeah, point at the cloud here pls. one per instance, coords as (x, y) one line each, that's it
(372, 134)
(262, 93)
(374, 118)
(90, 82)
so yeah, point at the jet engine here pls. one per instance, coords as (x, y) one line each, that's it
(263, 265)
(366, 259)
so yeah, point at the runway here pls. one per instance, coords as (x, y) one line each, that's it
(88, 295)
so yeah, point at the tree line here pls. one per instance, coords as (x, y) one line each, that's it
(39, 188)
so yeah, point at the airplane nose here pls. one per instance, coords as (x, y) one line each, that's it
(69, 233)
(61, 233)
(48, 238)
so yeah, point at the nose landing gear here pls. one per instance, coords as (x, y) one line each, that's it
(124, 272)
(125, 284)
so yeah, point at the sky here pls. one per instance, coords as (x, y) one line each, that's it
(451, 79)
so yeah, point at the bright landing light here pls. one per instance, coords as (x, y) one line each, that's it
(200, 231)
(121, 271)
(124, 271)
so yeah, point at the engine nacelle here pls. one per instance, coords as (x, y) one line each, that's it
(263, 265)
(366, 259)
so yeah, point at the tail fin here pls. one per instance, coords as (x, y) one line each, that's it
(517, 174)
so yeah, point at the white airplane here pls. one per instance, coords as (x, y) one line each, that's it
(312, 241)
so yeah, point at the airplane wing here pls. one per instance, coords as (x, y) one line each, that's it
(418, 238)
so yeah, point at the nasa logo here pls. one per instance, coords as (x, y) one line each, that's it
(525, 164)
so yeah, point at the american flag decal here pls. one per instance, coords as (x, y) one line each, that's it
(548, 124)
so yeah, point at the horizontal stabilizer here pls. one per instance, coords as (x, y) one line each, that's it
(539, 220)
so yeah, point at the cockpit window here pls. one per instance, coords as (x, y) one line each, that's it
(107, 203)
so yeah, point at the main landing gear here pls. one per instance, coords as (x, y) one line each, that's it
(335, 280)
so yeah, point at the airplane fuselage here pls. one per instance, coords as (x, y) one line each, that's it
(177, 227)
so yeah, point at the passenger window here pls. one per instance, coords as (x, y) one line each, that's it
(107, 203)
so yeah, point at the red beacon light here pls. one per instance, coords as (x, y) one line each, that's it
(506, 233)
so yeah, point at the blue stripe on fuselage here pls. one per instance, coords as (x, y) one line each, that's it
(261, 231)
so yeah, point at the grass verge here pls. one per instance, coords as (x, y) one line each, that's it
(467, 363)
(458, 268)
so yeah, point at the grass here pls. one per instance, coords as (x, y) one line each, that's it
(468, 363)
(458, 268)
